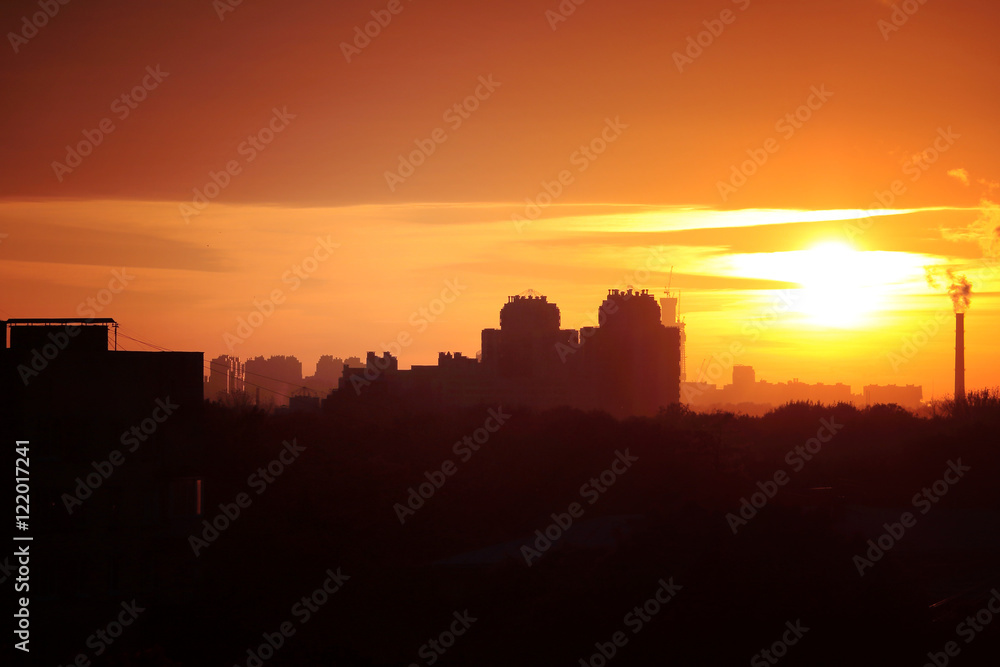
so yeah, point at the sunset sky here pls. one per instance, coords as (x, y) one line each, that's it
(815, 150)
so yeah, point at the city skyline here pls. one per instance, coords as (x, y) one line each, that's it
(697, 390)
(542, 332)
(881, 340)
(358, 174)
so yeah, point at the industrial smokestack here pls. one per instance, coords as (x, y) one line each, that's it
(959, 357)
(960, 291)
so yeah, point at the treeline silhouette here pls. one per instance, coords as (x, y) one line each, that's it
(666, 516)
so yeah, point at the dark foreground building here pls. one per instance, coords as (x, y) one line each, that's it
(628, 365)
(114, 445)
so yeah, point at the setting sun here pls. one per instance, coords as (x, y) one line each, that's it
(840, 286)
(511, 320)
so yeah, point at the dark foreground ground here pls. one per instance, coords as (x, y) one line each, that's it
(649, 508)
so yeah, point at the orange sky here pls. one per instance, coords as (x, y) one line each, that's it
(917, 110)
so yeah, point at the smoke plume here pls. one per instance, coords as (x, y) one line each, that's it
(931, 280)
(959, 288)
(960, 291)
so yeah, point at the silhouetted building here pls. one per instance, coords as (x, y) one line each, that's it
(631, 359)
(118, 436)
(629, 365)
(304, 400)
(328, 372)
(525, 344)
(743, 376)
(670, 317)
(744, 380)
(521, 360)
(273, 380)
(907, 397)
(376, 377)
(226, 375)
(328, 368)
(746, 389)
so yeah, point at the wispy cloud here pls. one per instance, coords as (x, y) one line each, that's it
(960, 174)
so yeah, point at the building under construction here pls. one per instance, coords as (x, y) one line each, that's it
(670, 318)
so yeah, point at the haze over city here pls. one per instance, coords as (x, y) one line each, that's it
(541, 332)
(850, 117)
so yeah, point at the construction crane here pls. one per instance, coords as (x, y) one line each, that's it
(670, 281)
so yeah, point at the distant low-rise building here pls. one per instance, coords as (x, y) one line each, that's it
(748, 391)
(908, 396)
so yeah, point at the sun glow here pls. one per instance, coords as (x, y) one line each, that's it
(840, 286)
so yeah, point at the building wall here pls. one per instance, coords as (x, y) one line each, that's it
(127, 534)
